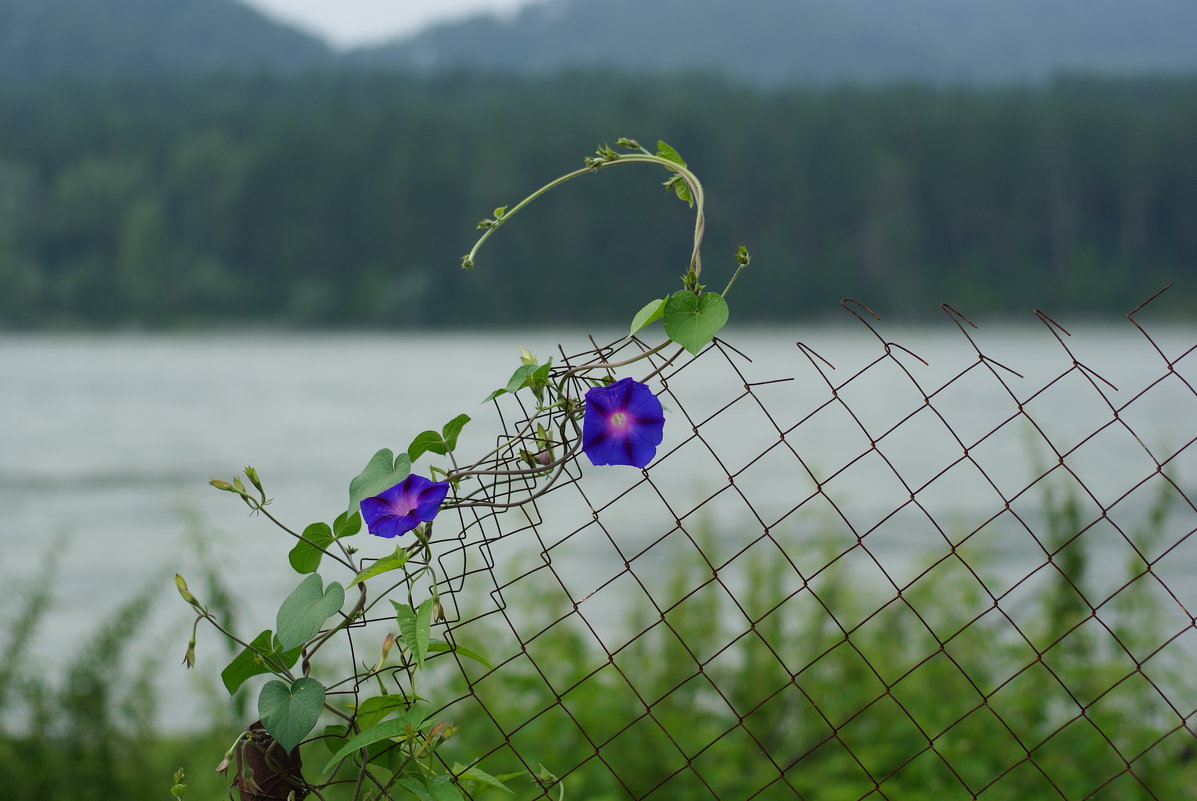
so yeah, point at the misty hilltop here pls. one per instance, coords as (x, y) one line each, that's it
(763, 42)
(816, 41)
(42, 39)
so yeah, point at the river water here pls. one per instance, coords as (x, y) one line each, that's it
(107, 444)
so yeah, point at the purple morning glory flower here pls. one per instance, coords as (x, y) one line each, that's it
(412, 501)
(623, 424)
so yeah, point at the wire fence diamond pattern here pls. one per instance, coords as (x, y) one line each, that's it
(854, 586)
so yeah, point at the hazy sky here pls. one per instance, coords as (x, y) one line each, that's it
(352, 22)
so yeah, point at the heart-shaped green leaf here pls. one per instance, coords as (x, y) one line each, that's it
(347, 524)
(306, 555)
(452, 429)
(384, 471)
(290, 713)
(253, 660)
(305, 610)
(650, 313)
(425, 441)
(692, 320)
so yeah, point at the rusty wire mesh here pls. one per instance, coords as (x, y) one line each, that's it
(847, 584)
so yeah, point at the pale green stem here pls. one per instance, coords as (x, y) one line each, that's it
(691, 180)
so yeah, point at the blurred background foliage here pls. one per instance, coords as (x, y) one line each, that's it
(839, 694)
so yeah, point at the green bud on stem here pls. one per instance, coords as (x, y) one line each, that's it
(181, 584)
(254, 478)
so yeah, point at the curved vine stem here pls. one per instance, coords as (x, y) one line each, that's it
(609, 159)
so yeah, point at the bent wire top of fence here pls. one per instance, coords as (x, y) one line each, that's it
(881, 581)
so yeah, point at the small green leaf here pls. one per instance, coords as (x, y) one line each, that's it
(443, 788)
(668, 153)
(347, 524)
(438, 647)
(442, 443)
(541, 376)
(404, 726)
(452, 430)
(290, 713)
(416, 787)
(517, 380)
(682, 190)
(691, 320)
(387, 563)
(334, 736)
(415, 628)
(304, 611)
(477, 774)
(252, 661)
(384, 471)
(305, 556)
(371, 711)
(425, 441)
(499, 212)
(650, 313)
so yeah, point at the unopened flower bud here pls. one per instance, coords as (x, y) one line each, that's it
(221, 484)
(544, 457)
(189, 657)
(183, 591)
(743, 257)
(387, 644)
(254, 479)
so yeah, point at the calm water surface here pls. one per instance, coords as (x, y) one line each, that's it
(107, 442)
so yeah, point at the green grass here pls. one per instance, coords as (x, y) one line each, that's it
(848, 689)
(838, 690)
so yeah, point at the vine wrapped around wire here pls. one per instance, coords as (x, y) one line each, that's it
(387, 743)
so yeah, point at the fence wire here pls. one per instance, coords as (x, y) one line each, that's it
(847, 585)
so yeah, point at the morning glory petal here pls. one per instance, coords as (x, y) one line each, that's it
(401, 508)
(374, 509)
(429, 500)
(607, 450)
(392, 526)
(623, 424)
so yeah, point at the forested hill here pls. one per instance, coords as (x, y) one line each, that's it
(819, 41)
(349, 200)
(42, 39)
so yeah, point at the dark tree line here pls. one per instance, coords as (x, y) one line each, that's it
(349, 200)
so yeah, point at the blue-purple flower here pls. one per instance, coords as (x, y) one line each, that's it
(412, 501)
(623, 424)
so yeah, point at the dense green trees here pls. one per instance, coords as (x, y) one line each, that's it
(348, 200)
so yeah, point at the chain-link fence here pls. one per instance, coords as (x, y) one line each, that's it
(899, 580)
